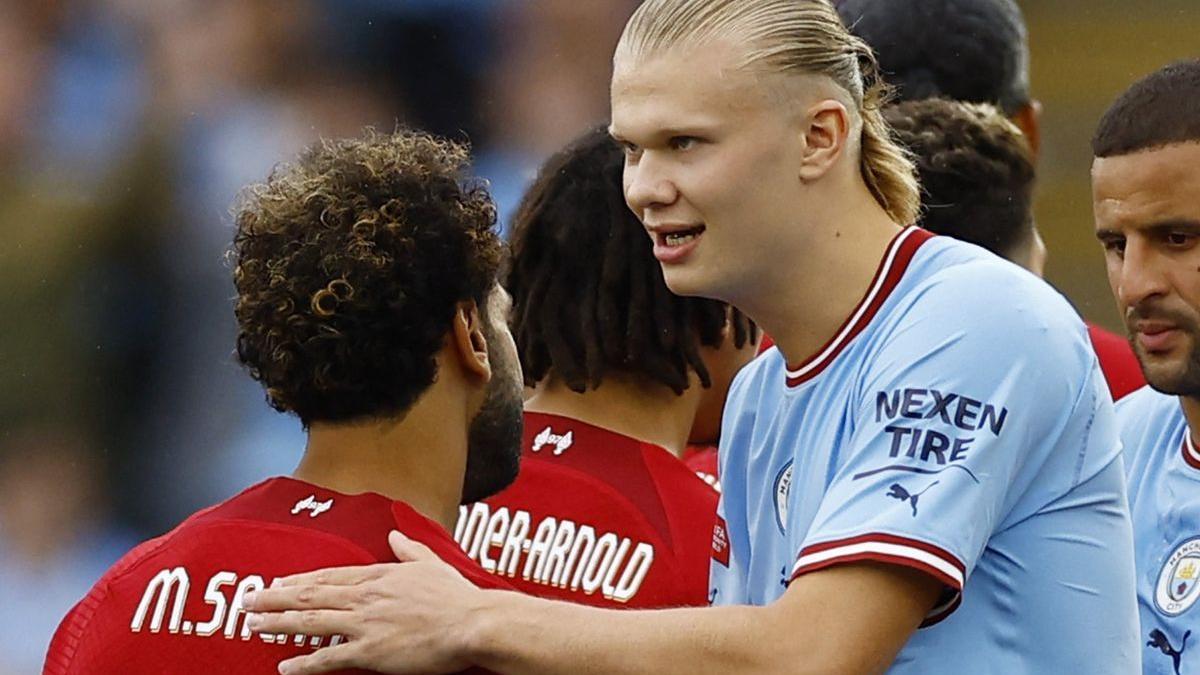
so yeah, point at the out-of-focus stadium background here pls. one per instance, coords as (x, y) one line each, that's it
(126, 129)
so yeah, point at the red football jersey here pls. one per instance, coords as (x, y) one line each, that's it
(702, 459)
(174, 604)
(596, 518)
(1117, 361)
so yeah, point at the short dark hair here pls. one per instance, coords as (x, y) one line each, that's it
(349, 265)
(1159, 109)
(975, 169)
(966, 50)
(588, 295)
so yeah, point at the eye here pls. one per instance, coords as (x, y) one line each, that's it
(1180, 239)
(1115, 245)
(683, 142)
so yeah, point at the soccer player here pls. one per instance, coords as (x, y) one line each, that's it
(922, 476)
(1146, 193)
(368, 306)
(975, 51)
(604, 512)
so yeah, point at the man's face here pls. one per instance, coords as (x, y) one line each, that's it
(1147, 207)
(494, 437)
(712, 165)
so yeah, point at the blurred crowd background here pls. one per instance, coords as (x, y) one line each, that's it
(127, 128)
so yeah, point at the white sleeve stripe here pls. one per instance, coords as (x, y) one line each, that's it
(883, 548)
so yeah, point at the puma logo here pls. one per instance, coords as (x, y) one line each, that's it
(898, 492)
(1159, 641)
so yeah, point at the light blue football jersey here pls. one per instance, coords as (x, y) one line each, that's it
(958, 423)
(1164, 495)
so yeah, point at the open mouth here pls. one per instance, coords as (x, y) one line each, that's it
(683, 236)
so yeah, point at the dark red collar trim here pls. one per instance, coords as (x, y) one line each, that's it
(1190, 455)
(891, 269)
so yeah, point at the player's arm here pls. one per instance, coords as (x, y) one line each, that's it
(421, 616)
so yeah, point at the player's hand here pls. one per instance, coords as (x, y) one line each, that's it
(397, 618)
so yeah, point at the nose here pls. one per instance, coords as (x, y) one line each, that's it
(647, 185)
(1142, 274)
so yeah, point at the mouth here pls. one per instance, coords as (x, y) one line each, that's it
(1156, 337)
(673, 244)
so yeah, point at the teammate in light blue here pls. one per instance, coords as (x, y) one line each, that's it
(1146, 190)
(951, 432)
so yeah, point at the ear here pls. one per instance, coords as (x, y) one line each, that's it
(826, 132)
(467, 338)
(1029, 120)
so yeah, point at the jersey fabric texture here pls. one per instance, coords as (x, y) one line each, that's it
(1121, 368)
(173, 604)
(703, 461)
(957, 424)
(1164, 494)
(596, 518)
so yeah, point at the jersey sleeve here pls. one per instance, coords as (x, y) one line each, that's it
(964, 395)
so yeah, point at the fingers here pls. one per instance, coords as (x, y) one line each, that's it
(334, 576)
(280, 597)
(305, 622)
(320, 661)
(408, 550)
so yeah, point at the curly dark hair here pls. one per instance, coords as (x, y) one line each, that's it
(349, 265)
(588, 295)
(975, 169)
(1160, 109)
(966, 50)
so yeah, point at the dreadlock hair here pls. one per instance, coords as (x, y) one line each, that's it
(588, 296)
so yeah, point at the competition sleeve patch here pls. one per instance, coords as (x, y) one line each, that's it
(720, 542)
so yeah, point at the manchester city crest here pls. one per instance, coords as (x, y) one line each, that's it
(783, 489)
(1178, 587)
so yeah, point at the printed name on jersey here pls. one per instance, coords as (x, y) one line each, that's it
(783, 490)
(1178, 588)
(720, 543)
(169, 589)
(560, 553)
(547, 437)
(314, 507)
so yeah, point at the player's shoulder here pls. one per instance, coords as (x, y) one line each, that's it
(758, 380)
(960, 279)
(961, 301)
(1143, 412)
(271, 526)
(603, 464)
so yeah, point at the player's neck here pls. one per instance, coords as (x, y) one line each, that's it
(647, 411)
(1191, 413)
(802, 305)
(419, 460)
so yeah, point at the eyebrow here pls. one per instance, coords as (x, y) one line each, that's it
(1157, 228)
(1173, 225)
(666, 133)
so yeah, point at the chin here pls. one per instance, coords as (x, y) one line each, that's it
(1171, 377)
(689, 282)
